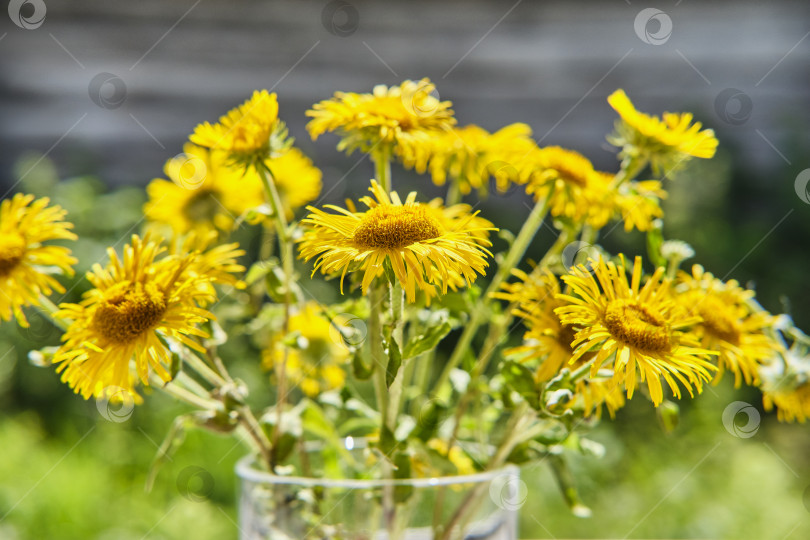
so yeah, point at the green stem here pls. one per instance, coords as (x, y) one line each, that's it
(286, 248)
(510, 261)
(397, 301)
(453, 193)
(382, 166)
(630, 168)
(377, 352)
(49, 309)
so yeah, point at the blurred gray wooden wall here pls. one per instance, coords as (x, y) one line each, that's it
(116, 87)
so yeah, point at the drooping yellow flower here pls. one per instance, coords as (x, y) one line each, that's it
(317, 364)
(664, 141)
(470, 156)
(139, 304)
(401, 118)
(298, 180)
(27, 267)
(792, 405)
(634, 328)
(636, 203)
(421, 251)
(785, 377)
(204, 192)
(546, 338)
(729, 324)
(248, 133)
(595, 392)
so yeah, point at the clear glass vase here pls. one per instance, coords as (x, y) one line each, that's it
(480, 506)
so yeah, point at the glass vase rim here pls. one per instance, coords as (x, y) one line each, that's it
(246, 470)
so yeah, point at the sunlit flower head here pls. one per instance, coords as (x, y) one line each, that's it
(317, 362)
(665, 141)
(27, 266)
(634, 329)
(218, 263)
(729, 323)
(250, 132)
(121, 330)
(471, 155)
(405, 236)
(635, 203)
(204, 191)
(401, 118)
(599, 391)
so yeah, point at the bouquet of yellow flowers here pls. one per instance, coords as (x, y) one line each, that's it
(389, 402)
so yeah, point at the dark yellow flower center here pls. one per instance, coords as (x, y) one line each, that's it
(638, 326)
(202, 207)
(717, 321)
(12, 252)
(128, 310)
(393, 227)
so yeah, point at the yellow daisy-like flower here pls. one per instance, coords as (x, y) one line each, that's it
(298, 180)
(792, 405)
(317, 365)
(26, 265)
(204, 192)
(546, 338)
(595, 392)
(403, 118)
(421, 251)
(664, 141)
(635, 328)
(138, 304)
(470, 155)
(574, 188)
(250, 132)
(729, 323)
(785, 377)
(636, 203)
(218, 263)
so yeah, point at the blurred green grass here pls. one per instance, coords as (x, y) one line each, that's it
(68, 473)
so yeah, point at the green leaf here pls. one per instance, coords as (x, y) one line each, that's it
(426, 341)
(655, 239)
(402, 462)
(668, 414)
(565, 480)
(394, 357)
(260, 269)
(520, 379)
(173, 440)
(314, 421)
(361, 370)
(429, 419)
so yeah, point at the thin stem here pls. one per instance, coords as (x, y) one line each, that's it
(397, 301)
(382, 166)
(510, 261)
(181, 394)
(453, 193)
(49, 309)
(377, 351)
(286, 249)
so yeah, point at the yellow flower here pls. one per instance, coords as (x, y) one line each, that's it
(546, 338)
(139, 305)
(217, 263)
(574, 188)
(298, 180)
(203, 192)
(471, 155)
(463, 463)
(595, 392)
(786, 375)
(403, 118)
(634, 328)
(317, 365)
(250, 132)
(26, 265)
(421, 251)
(636, 203)
(665, 141)
(729, 324)
(791, 405)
